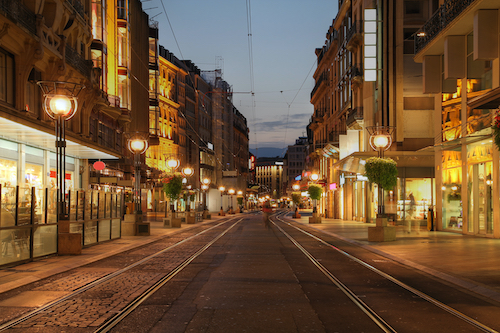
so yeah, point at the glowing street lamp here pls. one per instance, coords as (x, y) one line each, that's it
(231, 192)
(137, 146)
(380, 140)
(187, 172)
(205, 185)
(60, 102)
(221, 189)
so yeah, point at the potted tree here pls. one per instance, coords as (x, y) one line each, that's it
(315, 194)
(296, 200)
(172, 186)
(384, 173)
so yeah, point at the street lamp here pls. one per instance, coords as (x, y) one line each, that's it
(314, 178)
(380, 140)
(231, 192)
(240, 194)
(60, 103)
(137, 146)
(221, 189)
(188, 172)
(296, 188)
(205, 185)
(172, 164)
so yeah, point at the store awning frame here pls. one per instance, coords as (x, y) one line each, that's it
(355, 162)
(20, 133)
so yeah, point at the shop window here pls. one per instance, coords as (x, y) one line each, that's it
(451, 188)
(8, 173)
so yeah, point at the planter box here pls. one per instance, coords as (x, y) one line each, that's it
(175, 222)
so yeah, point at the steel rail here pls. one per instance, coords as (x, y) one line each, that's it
(403, 285)
(110, 324)
(379, 321)
(100, 281)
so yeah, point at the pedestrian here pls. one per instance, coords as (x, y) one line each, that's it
(267, 210)
(411, 211)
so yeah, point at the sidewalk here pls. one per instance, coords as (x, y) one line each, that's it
(17, 276)
(468, 261)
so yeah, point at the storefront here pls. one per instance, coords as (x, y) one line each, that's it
(407, 204)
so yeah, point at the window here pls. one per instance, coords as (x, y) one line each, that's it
(6, 77)
(413, 7)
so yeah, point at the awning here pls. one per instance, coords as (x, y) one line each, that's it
(31, 136)
(330, 151)
(489, 100)
(456, 143)
(355, 163)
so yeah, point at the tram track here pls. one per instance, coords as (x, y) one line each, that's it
(380, 322)
(99, 282)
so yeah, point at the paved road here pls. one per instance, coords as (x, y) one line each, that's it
(251, 279)
(255, 280)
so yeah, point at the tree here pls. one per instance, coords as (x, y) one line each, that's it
(382, 171)
(172, 186)
(315, 193)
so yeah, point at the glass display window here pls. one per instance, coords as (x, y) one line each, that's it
(8, 173)
(34, 175)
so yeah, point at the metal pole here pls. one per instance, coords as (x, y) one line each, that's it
(138, 209)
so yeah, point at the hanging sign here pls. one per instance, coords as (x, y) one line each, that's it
(99, 165)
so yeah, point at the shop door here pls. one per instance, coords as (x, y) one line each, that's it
(480, 199)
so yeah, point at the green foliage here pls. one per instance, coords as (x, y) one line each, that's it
(296, 198)
(382, 171)
(315, 191)
(173, 187)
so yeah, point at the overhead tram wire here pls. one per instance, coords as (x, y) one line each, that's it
(190, 79)
(252, 81)
(290, 104)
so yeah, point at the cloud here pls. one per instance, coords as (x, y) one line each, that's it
(295, 121)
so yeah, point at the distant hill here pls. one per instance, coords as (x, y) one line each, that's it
(268, 152)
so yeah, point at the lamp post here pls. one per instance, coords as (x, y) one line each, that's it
(380, 140)
(221, 189)
(187, 172)
(240, 194)
(60, 103)
(314, 178)
(137, 146)
(296, 188)
(231, 192)
(205, 185)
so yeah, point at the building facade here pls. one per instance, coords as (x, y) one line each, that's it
(460, 70)
(365, 79)
(269, 175)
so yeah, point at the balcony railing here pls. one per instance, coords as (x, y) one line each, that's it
(16, 11)
(356, 28)
(78, 62)
(322, 78)
(78, 6)
(440, 20)
(354, 115)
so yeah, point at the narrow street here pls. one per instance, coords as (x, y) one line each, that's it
(234, 275)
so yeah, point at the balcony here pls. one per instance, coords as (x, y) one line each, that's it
(75, 60)
(354, 37)
(78, 7)
(450, 10)
(322, 78)
(354, 118)
(16, 11)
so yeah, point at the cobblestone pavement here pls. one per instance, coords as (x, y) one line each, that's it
(93, 307)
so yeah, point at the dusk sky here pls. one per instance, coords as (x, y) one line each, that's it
(285, 34)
